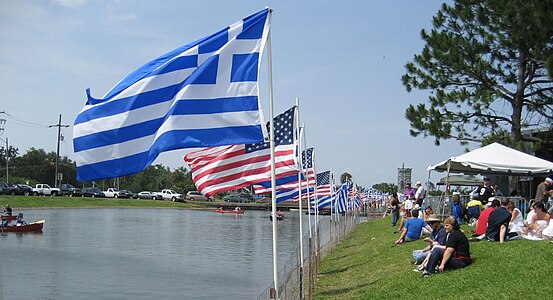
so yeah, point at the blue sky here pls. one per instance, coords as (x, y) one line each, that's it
(342, 59)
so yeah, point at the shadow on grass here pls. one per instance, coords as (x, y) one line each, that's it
(339, 270)
(338, 292)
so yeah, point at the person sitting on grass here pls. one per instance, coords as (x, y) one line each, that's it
(405, 215)
(516, 226)
(412, 229)
(482, 222)
(498, 222)
(539, 222)
(456, 254)
(437, 238)
(474, 207)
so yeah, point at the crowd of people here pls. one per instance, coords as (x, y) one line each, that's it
(495, 218)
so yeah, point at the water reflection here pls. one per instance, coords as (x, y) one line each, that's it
(143, 253)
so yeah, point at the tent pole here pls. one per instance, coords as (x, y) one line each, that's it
(446, 186)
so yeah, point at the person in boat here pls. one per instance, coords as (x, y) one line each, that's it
(220, 208)
(7, 210)
(237, 208)
(19, 220)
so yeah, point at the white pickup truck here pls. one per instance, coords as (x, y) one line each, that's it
(42, 189)
(111, 193)
(171, 195)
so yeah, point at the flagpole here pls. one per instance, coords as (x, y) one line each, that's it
(273, 175)
(315, 192)
(308, 196)
(300, 162)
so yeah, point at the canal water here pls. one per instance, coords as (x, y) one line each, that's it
(144, 254)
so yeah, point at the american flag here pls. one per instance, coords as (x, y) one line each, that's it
(220, 169)
(291, 182)
(323, 184)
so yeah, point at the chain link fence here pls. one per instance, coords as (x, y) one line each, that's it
(297, 280)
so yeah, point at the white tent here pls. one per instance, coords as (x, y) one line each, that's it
(495, 159)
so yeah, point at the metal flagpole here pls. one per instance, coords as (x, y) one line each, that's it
(307, 180)
(273, 176)
(315, 192)
(300, 163)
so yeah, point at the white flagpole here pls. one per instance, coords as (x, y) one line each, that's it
(315, 192)
(300, 163)
(308, 196)
(273, 175)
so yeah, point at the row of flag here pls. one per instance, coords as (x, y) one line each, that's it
(204, 95)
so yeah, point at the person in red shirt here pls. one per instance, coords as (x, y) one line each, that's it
(482, 222)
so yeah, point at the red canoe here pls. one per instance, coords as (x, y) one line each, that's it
(9, 218)
(31, 227)
(222, 211)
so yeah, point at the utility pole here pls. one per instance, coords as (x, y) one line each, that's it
(59, 126)
(2, 123)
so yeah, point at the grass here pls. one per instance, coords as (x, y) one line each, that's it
(18, 202)
(366, 266)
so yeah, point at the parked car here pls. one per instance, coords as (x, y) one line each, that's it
(234, 198)
(92, 192)
(7, 189)
(42, 189)
(67, 189)
(149, 195)
(23, 189)
(197, 196)
(127, 194)
(168, 194)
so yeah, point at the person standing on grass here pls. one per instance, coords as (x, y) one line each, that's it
(457, 207)
(456, 254)
(419, 194)
(413, 228)
(394, 207)
(484, 192)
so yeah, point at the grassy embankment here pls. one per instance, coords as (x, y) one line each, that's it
(366, 266)
(18, 202)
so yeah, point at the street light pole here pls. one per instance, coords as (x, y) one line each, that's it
(59, 125)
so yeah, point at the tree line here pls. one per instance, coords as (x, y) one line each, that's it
(38, 166)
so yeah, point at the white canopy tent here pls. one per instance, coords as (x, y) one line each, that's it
(495, 159)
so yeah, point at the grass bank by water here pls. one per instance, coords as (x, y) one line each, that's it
(18, 202)
(366, 266)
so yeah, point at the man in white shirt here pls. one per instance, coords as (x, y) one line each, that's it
(419, 194)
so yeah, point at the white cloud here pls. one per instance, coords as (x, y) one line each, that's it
(70, 3)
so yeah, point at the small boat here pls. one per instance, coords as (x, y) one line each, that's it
(9, 218)
(30, 227)
(279, 218)
(224, 211)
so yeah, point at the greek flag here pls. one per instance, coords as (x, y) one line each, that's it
(342, 198)
(202, 94)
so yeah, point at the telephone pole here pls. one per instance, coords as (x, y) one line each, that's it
(59, 126)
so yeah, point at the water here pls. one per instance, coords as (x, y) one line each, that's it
(144, 254)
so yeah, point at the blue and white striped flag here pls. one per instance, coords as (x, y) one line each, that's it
(342, 198)
(203, 94)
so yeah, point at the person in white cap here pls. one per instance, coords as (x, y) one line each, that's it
(544, 190)
(419, 194)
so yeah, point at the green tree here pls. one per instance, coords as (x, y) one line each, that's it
(385, 187)
(485, 65)
(345, 177)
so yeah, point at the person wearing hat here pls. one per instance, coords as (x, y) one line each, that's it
(544, 190)
(484, 192)
(456, 253)
(436, 239)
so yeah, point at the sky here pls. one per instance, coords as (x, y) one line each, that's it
(343, 60)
